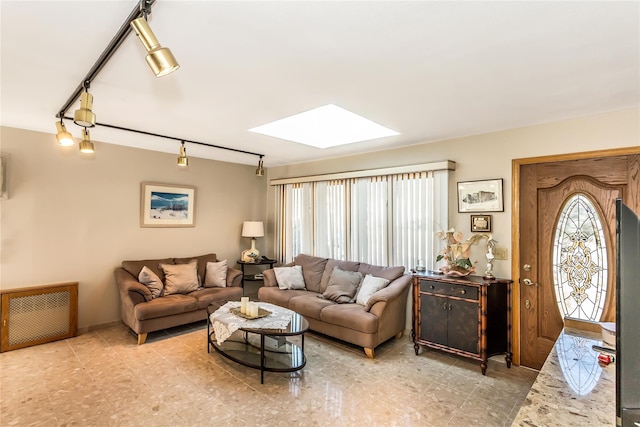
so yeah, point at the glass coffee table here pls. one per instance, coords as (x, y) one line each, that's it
(265, 349)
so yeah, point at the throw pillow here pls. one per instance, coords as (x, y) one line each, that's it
(290, 277)
(216, 275)
(151, 280)
(180, 278)
(342, 286)
(370, 285)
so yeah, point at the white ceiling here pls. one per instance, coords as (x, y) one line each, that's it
(429, 70)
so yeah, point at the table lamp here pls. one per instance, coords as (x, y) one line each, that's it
(252, 229)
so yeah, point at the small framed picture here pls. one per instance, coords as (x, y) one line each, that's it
(480, 223)
(480, 196)
(166, 205)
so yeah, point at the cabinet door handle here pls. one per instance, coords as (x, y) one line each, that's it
(444, 306)
(449, 307)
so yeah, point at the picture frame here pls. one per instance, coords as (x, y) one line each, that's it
(480, 223)
(167, 205)
(480, 196)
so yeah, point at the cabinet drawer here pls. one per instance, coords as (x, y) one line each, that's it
(449, 289)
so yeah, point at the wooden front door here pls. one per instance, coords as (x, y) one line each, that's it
(548, 191)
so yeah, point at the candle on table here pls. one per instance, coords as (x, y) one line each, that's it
(254, 310)
(243, 304)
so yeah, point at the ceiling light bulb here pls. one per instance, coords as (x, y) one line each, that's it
(260, 170)
(183, 160)
(84, 116)
(64, 138)
(86, 146)
(160, 59)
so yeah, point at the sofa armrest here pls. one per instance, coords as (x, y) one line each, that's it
(269, 278)
(130, 287)
(394, 290)
(234, 278)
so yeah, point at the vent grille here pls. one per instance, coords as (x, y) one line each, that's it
(38, 315)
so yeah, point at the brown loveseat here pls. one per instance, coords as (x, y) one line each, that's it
(383, 316)
(143, 312)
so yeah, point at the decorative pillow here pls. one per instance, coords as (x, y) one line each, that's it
(151, 280)
(216, 275)
(342, 286)
(180, 278)
(370, 285)
(290, 277)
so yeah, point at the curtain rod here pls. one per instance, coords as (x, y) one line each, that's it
(424, 167)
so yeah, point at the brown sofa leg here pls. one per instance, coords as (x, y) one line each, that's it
(369, 352)
(399, 335)
(142, 338)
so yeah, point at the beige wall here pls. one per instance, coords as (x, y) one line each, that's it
(488, 156)
(71, 217)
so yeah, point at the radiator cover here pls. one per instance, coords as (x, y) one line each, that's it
(38, 314)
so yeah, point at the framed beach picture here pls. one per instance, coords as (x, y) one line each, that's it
(166, 205)
(480, 196)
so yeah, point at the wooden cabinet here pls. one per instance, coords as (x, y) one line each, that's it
(468, 316)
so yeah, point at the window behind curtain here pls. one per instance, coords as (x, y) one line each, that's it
(382, 220)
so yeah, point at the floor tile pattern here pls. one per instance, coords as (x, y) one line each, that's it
(103, 378)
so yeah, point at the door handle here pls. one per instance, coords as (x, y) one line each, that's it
(528, 282)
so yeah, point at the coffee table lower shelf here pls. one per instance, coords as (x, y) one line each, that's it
(268, 350)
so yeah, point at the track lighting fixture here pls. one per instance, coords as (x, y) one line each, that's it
(86, 146)
(183, 160)
(64, 138)
(84, 116)
(159, 58)
(260, 170)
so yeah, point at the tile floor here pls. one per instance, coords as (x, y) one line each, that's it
(103, 378)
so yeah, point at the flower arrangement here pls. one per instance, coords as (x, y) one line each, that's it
(456, 252)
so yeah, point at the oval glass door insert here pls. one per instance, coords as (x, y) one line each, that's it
(580, 260)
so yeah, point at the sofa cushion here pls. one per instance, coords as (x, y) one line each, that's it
(206, 296)
(165, 306)
(280, 297)
(215, 275)
(343, 265)
(312, 270)
(151, 280)
(180, 278)
(202, 263)
(135, 267)
(342, 286)
(389, 273)
(309, 305)
(352, 316)
(290, 277)
(369, 286)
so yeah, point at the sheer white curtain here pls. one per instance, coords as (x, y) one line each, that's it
(382, 220)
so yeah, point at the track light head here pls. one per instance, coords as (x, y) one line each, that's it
(260, 170)
(183, 160)
(84, 116)
(160, 59)
(86, 146)
(64, 138)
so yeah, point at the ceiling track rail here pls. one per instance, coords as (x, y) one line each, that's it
(142, 8)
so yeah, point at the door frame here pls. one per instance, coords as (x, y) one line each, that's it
(516, 164)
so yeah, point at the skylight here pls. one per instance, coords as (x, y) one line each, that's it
(324, 127)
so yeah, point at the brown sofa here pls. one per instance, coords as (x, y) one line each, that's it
(382, 318)
(144, 314)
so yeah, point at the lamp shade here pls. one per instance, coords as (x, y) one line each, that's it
(252, 229)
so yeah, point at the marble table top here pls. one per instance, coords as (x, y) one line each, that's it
(571, 388)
